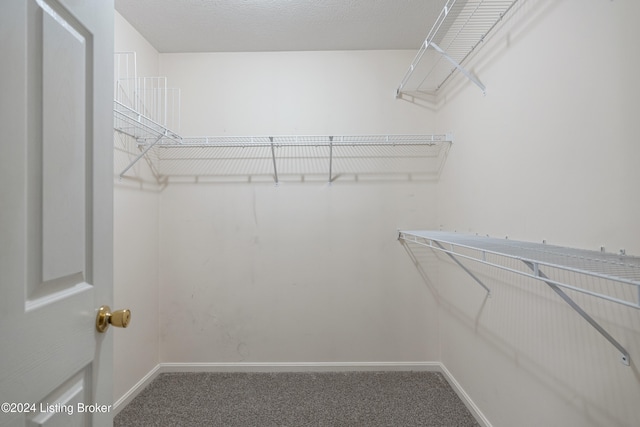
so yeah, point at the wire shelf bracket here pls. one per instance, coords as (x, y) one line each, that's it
(469, 272)
(273, 157)
(460, 68)
(624, 354)
(617, 268)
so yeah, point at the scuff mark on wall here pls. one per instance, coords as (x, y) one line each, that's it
(243, 350)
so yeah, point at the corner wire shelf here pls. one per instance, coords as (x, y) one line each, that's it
(459, 30)
(547, 263)
(321, 152)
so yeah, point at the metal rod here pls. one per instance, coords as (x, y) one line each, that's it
(463, 267)
(460, 68)
(585, 316)
(330, 158)
(140, 155)
(273, 156)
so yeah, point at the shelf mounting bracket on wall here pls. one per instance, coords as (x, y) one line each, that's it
(141, 155)
(453, 257)
(617, 268)
(273, 156)
(624, 354)
(459, 67)
(330, 159)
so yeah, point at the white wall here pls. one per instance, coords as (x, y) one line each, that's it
(301, 272)
(549, 153)
(296, 273)
(293, 93)
(135, 241)
(127, 39)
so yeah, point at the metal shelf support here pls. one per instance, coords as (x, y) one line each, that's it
(453, 257)
(273, 156)
(460, 68)
(625, 358)
(330, 159)
(141, 155)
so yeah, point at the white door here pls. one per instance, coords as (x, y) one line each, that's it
(55, 211)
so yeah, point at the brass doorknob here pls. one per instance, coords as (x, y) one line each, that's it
(105, 317)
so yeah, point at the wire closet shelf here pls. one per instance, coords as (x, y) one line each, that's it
(172, 155)
(622, 269)
(459, 31)
(557, 266)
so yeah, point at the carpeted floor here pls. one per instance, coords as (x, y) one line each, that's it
(366, 399)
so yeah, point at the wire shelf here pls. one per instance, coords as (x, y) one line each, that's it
(138, 126)
(299, 141)
(321, 157)
(148, 96)
(584, 271)
(617, 268)
(459, 30)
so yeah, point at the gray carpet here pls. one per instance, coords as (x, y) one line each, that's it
(367, 399)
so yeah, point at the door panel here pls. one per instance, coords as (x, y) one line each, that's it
(55, 185)
(63, 146)
(65, 406)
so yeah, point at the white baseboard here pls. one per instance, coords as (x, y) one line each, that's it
(135, 390)
(466, 399)
(299, 367)
(303, 367)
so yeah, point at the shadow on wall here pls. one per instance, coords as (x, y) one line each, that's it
(528, 325)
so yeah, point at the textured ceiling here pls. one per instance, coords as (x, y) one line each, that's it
(280, 25)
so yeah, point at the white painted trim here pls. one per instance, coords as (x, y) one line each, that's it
(299, 367)
(303, 367)
(119, 404)
(466, 399)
